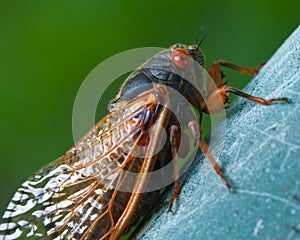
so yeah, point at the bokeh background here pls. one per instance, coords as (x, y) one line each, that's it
(48, 47)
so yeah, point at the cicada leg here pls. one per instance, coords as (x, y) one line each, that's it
(218, 97)
(218, 92)
(177, 189)
(215, 72)
(255, 99)
(196, 131)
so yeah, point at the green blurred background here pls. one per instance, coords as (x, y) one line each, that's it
(48, 47)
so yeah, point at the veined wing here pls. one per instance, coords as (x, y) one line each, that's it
(75, 197)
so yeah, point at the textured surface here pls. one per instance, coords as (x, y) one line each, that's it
(261, 158)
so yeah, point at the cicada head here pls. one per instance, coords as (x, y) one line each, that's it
(187, 61)
(183, 55)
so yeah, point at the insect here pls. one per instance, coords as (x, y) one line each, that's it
(103, 186)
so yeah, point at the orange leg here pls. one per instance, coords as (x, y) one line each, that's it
(217, 99)
(177, 189)
(217, 168)
(244, 70)
(196, 132)
(215, 72)
(218, 92)
(253, 98)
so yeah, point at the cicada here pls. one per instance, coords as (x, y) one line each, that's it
(105, 183)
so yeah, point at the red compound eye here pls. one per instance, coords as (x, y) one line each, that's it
(182, 58)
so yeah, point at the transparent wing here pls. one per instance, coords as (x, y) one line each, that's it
(71, 198)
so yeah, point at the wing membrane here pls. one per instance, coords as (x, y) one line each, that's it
(74, 197)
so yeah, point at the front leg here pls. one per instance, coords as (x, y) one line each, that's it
(216, 100)
(218, 92)
(215, 72)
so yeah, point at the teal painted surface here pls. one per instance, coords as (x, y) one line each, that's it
(261, 158)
